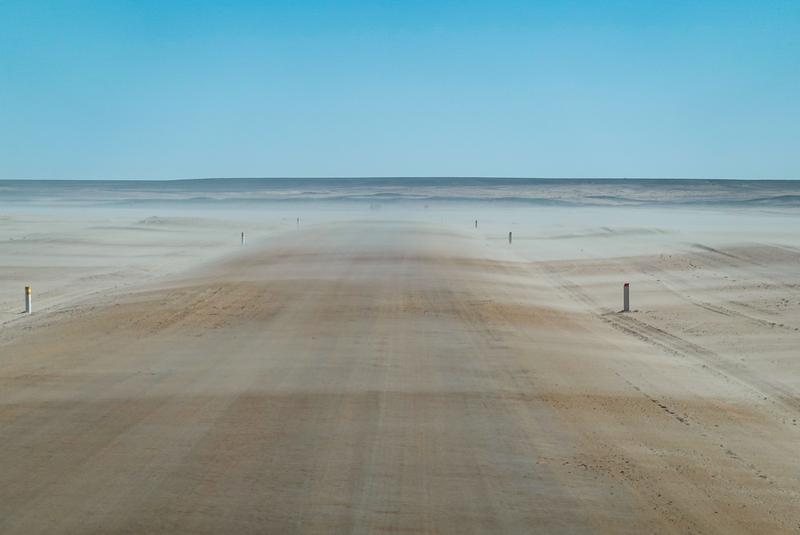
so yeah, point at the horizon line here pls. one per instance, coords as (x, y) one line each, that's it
(390, 177)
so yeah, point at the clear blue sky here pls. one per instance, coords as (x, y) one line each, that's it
(146, 89)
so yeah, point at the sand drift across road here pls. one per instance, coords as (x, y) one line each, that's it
(381, 377)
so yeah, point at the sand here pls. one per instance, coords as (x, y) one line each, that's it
(370, 373)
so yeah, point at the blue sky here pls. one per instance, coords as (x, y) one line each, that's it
(146, 89)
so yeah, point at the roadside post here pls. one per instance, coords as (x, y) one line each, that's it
(626, 298)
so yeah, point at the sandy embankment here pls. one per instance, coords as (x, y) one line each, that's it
(71, 254)
(400, 377)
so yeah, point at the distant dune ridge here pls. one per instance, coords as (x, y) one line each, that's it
(531, 191)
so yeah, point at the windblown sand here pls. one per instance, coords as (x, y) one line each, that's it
(379, 375)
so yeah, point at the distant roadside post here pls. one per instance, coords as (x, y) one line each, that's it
(626, 298)
(242, 238)
(28, 302)
(509, 237)
(476, 223)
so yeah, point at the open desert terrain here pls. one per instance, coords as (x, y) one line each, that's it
(395, 369)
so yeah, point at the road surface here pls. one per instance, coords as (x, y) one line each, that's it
(378, 378)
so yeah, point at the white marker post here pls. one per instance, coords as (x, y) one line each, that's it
(626, 298)
(242, 238)
(509, 237)
(28, 302)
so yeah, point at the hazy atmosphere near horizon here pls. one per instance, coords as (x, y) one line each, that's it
(399, 267)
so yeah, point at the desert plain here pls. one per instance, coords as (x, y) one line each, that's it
(391, 368)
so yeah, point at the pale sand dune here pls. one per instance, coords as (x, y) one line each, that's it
(407, 377)
(69, 254)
